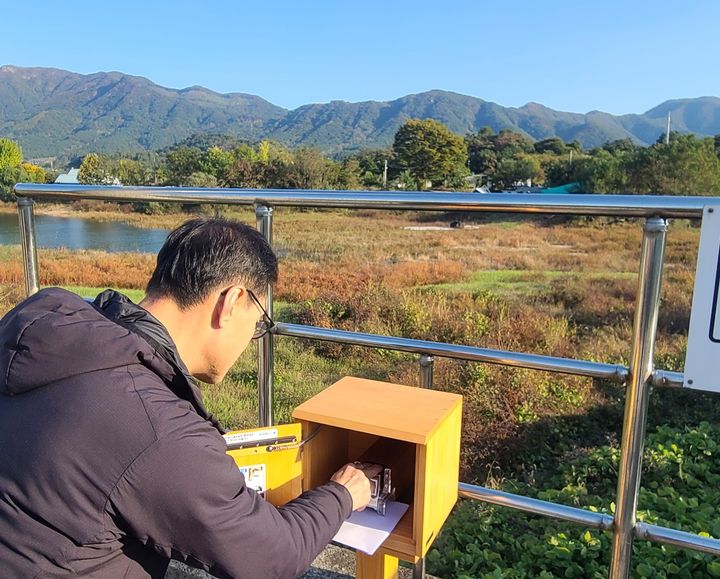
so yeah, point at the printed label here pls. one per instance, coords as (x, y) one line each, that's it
(243, 437)
(255, 478)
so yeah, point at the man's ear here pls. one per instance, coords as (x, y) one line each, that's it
(226, 306)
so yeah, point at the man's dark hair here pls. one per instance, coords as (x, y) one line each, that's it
(203, 255)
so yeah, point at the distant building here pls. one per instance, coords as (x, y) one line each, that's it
(70, 177)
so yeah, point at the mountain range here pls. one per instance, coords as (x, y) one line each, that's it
(53, 112)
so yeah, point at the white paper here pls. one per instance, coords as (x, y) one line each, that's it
(366, 530)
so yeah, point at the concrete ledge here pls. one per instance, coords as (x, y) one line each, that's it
(333, 563)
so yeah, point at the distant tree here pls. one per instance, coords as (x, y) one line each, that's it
(481, 151)
(508, 143)
(348, 175)
(248, 153)
(264, 152)
(22, 173)
(687, 166)
(620, 146)
(553, 145)
(510, 170)
(309, 170)
(131, 172)
(406, 181)
(716, 140)
(245, 173)
(10, 154)
(371, 165)
(34, 173)
(200, 179)
(216, 161)
(180, 163)
(305, 168)
(429, 151)
(95, 170)
(8, 177)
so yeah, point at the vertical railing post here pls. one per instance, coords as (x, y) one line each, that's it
(263, 215)
(637, 394)
(426, 381)
(426, 371)
(26, 215)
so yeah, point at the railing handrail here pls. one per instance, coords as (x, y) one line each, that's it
(656, 209)
(587, 368)
(665, 206)
(601, 370)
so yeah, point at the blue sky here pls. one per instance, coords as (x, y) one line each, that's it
(615, 56)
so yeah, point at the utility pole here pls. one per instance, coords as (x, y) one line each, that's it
(667, 132)
(385, 175)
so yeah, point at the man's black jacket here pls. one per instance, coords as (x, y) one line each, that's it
(110, 465)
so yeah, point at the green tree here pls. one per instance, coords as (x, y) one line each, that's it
(22, 173)
(513, 169)
(554, 145)
(371, 166)
(264, 152)
(508, 143)
(309, 170)
(601, 172)
(95, 170)
(687, 166)
(180, 163)
(245, 173)
(131, 172)
(620, 146)
(216, 161)
(34, 173)
(10, 154)
(429, 151)
(481, 151)
(200, 179)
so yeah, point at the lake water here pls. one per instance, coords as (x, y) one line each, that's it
(76, 233)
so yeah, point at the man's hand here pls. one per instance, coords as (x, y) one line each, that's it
(355, 481)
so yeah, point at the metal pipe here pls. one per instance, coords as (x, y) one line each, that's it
(637, 394)
(613, 205)
(612, 372)
(266, 347)
(419, 569)
(426, 371)
(26, 216)
(426, 381)
(676, 538)
(667, 379)
(600, 521)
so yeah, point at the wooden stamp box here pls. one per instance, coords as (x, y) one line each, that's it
(414, 431)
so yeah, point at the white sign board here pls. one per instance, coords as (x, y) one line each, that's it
(702, 361)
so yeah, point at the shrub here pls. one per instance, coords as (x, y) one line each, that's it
(680, 489)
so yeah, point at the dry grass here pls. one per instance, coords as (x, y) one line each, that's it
(80, 268)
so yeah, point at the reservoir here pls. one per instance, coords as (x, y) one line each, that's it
(77, 233)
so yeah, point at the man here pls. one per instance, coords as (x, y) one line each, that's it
(110, 464)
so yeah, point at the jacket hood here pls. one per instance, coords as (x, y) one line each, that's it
(45, 339)
(55, 335)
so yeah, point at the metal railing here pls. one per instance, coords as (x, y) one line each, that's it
(640, 376)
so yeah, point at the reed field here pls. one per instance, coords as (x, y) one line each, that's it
(560, 287)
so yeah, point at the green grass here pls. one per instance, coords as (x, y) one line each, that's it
(8, 252)
(518, 282)
(90, 292)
